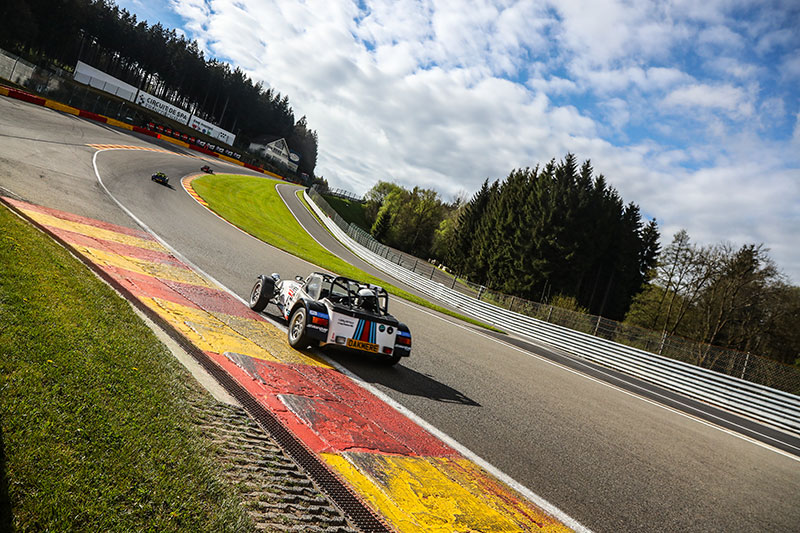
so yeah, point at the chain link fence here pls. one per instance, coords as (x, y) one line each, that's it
(96, 96)
(747, 366)
(56, 84)
(25, 74)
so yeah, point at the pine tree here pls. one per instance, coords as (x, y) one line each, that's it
(381, 225)
(466, 227)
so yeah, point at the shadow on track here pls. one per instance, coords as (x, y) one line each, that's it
(400, 378)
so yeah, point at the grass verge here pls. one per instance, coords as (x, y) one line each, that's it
(94, 410)
(253, 204)
(350, 210)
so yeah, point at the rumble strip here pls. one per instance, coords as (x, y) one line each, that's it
(409, 477)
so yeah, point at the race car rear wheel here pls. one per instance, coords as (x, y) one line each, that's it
(298, 337)
(261, 294)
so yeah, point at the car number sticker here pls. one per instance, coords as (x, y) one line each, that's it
(361, 345)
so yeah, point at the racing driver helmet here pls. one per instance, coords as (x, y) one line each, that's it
(367, 300)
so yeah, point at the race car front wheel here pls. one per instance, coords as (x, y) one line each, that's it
(298, 337)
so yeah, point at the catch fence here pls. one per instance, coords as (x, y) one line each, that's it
(346, 195)
(56, 84)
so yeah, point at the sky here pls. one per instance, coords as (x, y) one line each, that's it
(689, 109)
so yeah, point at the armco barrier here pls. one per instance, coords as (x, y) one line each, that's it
(777, 408)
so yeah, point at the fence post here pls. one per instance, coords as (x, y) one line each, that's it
(432, 269)
(454, 281)
(746, 360)
(480, 292)
(511, 305)
(414, 268)
(597, 326)
(663, 341)
(550, 313)
(11, 76)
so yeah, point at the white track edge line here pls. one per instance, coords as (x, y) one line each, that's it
(466, 452)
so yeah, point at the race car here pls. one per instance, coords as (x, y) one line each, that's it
(160, 177)
(334, 311)
(207, 169)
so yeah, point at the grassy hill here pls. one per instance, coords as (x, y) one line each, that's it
(349, 210)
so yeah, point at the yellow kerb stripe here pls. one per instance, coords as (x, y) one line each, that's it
(205, 331)
(208, 332)
(118, 124)
(231, 159)
(93, 231)
(438, 494)
(147, 268)
(174, 141)
(58, 106)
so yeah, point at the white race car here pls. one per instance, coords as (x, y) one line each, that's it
(325, 310)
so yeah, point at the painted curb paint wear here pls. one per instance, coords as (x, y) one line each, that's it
(411, 478)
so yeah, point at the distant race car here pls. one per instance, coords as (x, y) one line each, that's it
(207, 169)
(325, 310)
(160, 177)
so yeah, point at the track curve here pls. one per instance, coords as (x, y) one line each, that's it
(608, 458)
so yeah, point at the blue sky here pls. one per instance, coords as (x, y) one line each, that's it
(690, 109)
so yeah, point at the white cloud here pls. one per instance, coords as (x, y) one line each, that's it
(647, 79)
(617, 112)
(734, 101)
(735, 67)
(720, 37)
(553, 85)
(436, 94)
(774, 39)
(790, 68)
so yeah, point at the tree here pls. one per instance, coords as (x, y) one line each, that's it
(155, 59)
(556, 229)
(458, 252)
(375, 197)
(681, 275)
(381, 225)
(721, 295)
(734, 294)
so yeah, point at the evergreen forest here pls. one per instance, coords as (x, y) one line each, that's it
(556, 230)
(559, 233)
(156, 59)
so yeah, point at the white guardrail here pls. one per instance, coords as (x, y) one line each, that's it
(777, 408)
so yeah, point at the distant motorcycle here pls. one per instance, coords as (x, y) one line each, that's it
(207, 169)
(160, 177)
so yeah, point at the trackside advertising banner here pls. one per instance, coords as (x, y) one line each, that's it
(160, 106)
(211, 130)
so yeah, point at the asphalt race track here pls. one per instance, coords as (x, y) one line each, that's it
(610, 458)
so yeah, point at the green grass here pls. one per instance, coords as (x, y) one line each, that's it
(254, 205)
(94, 410)
(352, 212)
